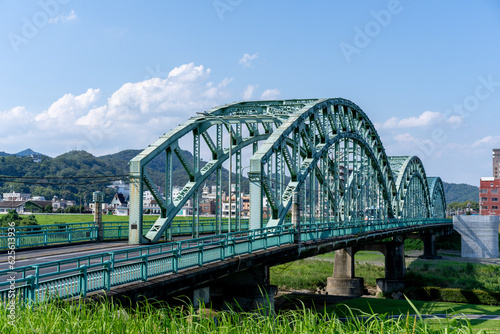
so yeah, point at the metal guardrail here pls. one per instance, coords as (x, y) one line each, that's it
(82, 275)
(46, 235)
(79, 276)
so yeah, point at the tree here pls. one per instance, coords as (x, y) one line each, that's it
(14, 217)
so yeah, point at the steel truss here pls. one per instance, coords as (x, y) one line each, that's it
(323, 153)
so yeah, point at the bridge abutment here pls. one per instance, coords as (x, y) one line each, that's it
(479, 235)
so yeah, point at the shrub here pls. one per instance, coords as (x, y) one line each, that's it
(430, 293)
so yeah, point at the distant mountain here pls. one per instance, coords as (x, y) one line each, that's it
(460, 192)
(84, 164)
(26, 152)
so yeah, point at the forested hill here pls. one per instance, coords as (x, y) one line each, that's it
(460, 192)
(83, 164)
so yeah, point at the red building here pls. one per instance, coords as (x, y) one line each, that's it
(488, 196)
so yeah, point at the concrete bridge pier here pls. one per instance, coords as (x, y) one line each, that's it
(430, 248)
(395, 266)
(248, 290)
(344, 282)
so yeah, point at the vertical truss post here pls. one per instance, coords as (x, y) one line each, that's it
(256, 194)
(312, 197)
(196, 197)
(168, 188)
(218, 183)
(135, 215)
(238, 182)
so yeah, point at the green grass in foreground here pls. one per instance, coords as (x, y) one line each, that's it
(392, 306)
(360, 306)
(111, 318)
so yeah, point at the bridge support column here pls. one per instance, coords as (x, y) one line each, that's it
(430, 248)
(343, 281)
(248, 290)
(395, 267)
(296, 215)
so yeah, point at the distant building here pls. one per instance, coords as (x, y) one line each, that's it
(118, 200)
(23, 207)
(207, 207)
(496, 163)
(121, 187)
(61, 203)
(16, 196)
(488, 196)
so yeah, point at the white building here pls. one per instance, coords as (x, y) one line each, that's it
(121, 187)
(16, 196)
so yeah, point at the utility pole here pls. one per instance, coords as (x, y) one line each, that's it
(98, 198)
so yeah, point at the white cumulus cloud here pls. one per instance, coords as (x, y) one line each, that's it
(247, 59)
(67, 109)
(270, 94)
(487, 141)
(63, 18)
(248, 93)
(427, 118)
(131, 117)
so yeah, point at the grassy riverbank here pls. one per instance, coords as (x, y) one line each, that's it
(149, 318)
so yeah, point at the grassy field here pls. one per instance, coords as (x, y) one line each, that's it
(85, 218)
(311, 274)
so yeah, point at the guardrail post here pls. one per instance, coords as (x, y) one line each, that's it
(83, 280)
(222, 244)
(70, 230)
(200, 256)
(30, 282)
(144, 268)
(45, 236)
(107, 276)
(175, 260)
(18, 239)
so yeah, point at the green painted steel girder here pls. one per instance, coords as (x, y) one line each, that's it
(324, 153)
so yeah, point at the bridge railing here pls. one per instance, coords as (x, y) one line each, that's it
(79, 276)
(45, 235)
(82, 275)
(361, 227)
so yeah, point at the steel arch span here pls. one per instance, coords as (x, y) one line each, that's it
(322, 154)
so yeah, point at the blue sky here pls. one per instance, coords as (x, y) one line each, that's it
(105, 76)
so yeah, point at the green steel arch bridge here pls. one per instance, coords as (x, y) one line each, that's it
(319, 181)
(323, 155)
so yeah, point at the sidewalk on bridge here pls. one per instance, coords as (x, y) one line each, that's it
(25, 254)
